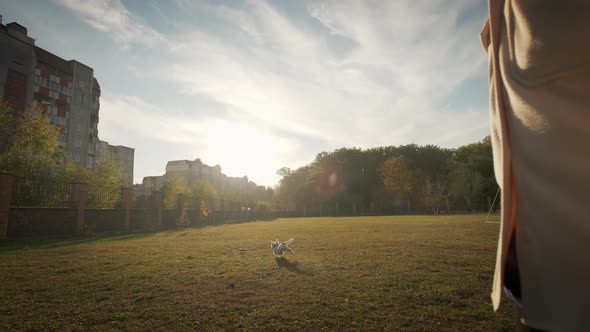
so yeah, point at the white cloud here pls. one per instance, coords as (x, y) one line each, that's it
(409, 57)
(238, 146)
(112, 17)
(286, 80)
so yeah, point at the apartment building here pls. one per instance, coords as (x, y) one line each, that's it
(66, 89)
(121, 155)
(191, 171)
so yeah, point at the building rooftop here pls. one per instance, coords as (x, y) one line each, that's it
(17, 27)
(53, 60)
(179, 162)
(95, 85)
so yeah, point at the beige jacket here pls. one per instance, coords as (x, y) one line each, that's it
(539, 61)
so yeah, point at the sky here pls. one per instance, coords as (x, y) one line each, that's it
(258, 85)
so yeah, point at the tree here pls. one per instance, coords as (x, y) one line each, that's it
(466, 184)
(104, 184)
(199, 194)
(398, 177)
(284, 171)
(353, 178)
(170, 192)
(34, 150)
(435, 193)
(472, 178)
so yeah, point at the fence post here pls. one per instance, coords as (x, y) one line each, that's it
(198, 205)
(157, 207)
(180, 204)
(78, 202)
(126, 205)
(6, 181)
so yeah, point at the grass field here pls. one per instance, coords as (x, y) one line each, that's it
(417, 273)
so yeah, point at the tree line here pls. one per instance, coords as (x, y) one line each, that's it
(30, 150)
(392, 179)
(202, 196)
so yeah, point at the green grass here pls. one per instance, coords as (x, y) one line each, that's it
(417, 273)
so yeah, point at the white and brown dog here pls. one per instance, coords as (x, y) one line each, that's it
(279, 248)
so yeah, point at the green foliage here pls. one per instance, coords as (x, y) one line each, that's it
(284, 171)
(170, 192)
(35, 157)
(34, 150)
(397, 175)
(200, 189)
(104, 184)
(356, 179)
(472, 180)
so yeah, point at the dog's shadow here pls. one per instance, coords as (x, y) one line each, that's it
(293, 266)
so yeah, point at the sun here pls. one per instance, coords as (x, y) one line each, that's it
(244, 150)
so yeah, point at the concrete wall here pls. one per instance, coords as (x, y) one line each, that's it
(80, 108)
(124, 157)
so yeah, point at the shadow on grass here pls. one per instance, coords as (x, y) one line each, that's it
(56, 242)
(21, 244)
(293, 266)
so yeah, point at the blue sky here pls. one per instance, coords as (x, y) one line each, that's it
(257, 85)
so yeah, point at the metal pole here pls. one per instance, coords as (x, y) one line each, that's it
(493, 203)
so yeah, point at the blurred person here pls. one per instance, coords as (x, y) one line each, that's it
(539, 73)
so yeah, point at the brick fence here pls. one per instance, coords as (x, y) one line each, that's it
(75, 217)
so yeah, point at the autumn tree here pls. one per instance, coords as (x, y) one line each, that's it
(34, 150)
(435, 193)
(200, 194)
(398, 177)
(104, 184)
(170, 192)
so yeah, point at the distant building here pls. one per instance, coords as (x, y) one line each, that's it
(152, 183)
(191, 171)
(123, 156)
(66, 89)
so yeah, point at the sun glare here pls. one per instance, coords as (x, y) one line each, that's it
(243, 150)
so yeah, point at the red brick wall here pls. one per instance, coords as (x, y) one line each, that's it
(15, 90)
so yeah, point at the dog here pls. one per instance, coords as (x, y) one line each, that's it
(279, 248)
